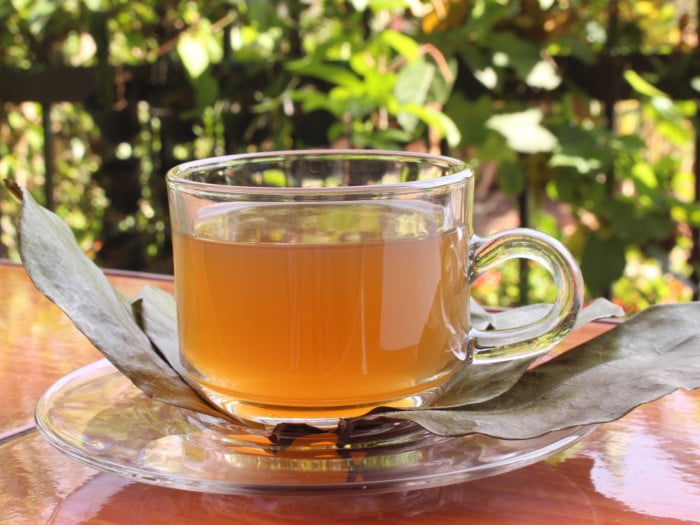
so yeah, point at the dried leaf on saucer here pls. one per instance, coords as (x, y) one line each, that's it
(647, 357)
(513, 318)
(156, 312)
(61, 271)
(488, 380)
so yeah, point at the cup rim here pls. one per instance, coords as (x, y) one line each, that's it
(175, 176)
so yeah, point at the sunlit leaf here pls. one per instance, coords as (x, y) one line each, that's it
(436, 119)
(441, 88)
(96, 5)
(695, 83)
(487, 76)
(337, 75)
(199, 47)
(412, 86)
(644, 174)
(523, 131)
(313, 100)
(641, 86)
(543, 75)
(404, 45)
(193, 53)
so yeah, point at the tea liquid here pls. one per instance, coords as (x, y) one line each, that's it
(305, 306)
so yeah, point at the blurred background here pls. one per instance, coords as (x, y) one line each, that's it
(579, 115)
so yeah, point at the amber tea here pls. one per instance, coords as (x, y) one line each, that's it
(343, 305)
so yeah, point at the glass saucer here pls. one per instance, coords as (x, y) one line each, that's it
(98, 417)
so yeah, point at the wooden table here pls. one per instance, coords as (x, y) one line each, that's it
(644, 468)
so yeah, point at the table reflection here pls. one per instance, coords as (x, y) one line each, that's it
(626, 462)
(639, 448)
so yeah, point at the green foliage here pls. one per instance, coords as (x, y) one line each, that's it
(477, 79)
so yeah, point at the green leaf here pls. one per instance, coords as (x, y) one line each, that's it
(580, 148)
(597, 382)
(476, 61)
(441, 88)
(337, 75)
(412, 86)
(641, 86)
(193, 53)
(471, 117)
(512, 177)
(543, 75)
(602, 262)
(495, 149)
(513, 51)
(379, 87)
(436, 119)
(635, 221)
(644, 174)
(413, 82)
(523, 131)
(404, 45)
(389, 139)
(313, 100)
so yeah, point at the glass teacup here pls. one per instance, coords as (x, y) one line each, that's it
(314, 285)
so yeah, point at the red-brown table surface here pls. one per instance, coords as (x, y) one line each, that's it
(644, 468)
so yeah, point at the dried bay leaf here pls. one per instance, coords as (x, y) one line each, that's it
(61, 271)
(479, 316)
(597, 382)
(485, 381)
(479, 383)
(523, 315)
(157, 314)
(652, 354)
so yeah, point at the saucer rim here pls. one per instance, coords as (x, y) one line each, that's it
(552, 443)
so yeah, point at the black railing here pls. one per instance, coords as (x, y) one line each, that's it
(601, 80)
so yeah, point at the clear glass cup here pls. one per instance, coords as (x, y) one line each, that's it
(314, 285)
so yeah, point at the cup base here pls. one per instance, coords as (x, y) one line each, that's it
(270, 416)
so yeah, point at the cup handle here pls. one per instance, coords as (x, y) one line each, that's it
(541, 335)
